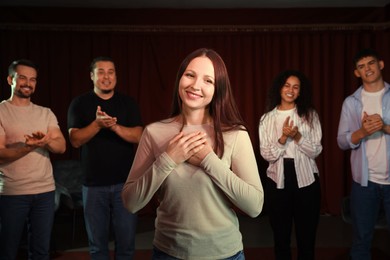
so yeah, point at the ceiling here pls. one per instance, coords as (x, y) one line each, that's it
(193, 4)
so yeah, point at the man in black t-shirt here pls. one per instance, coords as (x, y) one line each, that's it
(105, 125)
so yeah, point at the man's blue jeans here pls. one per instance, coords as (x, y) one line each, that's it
(103, 206)
(38, 212)
(365, 205)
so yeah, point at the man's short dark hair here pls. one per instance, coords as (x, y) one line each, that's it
(368, 52)
(97, 59)
(24, 62)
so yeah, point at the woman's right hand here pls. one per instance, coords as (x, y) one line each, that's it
(183, 146)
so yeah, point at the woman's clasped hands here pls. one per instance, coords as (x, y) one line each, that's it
(192, 147)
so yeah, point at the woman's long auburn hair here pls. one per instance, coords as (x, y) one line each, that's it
(222, 108)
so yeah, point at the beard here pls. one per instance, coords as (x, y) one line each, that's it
(21, 94)
(107, 91)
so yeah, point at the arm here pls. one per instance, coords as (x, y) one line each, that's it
(309, 141)
(350, 122)
(270, 147)
(53, 141)
(80, 136)
(148, 173)
(240, 182)
(386, 129)
(133, 130)
(10, 154)
(369, 125)
(129, 134)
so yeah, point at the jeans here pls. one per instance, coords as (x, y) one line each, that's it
(365, 205)
(160, 255)
(37, 211)
(103, 207)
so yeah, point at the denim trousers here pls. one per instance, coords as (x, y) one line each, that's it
(160, 255)
(365, 204)
(104, 209)
(37, 211)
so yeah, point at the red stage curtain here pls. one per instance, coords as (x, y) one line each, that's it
(147, 57)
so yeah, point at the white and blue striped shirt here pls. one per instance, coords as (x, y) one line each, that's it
(305, 151)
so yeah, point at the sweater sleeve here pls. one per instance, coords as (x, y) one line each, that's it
(240, 182)
(146, 175)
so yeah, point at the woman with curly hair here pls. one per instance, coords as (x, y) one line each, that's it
(290, 140)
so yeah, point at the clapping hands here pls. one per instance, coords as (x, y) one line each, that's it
(36, 139)
(103, 119)
(289, 131)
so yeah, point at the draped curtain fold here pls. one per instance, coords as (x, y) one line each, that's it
(147, 59)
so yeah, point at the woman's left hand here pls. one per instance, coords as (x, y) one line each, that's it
(198, 157)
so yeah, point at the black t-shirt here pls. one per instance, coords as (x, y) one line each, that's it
(106, 159)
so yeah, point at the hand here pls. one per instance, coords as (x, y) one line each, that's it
(289, 130)
(293, 132)
(36, 139)
(371, 123)
(103, 120)
(183, 146)
(198, 157)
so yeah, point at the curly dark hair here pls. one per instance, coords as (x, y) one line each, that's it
(303, 102)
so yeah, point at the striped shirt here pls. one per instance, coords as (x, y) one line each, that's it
(305, 151)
